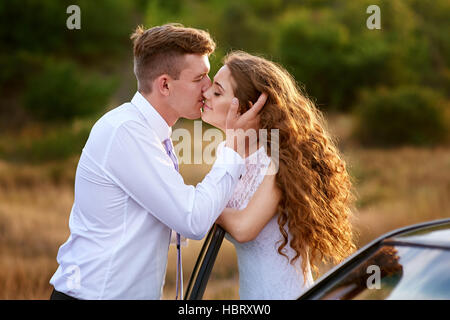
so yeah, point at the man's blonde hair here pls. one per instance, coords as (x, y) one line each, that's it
(160, 50)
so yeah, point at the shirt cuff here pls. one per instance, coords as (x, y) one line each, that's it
(230, 160)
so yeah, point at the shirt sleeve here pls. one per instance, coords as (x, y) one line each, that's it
(137, 162)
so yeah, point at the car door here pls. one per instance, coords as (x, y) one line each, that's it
(204, 264)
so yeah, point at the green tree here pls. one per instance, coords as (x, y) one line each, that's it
(407, 115)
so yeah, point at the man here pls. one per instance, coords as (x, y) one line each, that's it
(128, 192)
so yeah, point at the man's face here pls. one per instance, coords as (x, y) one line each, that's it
(186, 94)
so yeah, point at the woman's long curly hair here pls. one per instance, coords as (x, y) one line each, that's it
(317, 197)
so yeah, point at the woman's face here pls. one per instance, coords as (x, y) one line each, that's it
(218, 99)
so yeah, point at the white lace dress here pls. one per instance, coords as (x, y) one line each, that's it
(264, 274)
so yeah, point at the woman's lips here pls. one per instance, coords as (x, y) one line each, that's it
(206, 107)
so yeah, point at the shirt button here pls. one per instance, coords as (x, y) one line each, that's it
(240, 177)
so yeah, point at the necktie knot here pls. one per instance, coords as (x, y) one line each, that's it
(168, 145)
(169, 149)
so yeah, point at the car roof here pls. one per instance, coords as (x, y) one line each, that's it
(434, 233)
(431, 233)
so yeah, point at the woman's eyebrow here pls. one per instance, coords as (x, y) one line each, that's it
(215, 82)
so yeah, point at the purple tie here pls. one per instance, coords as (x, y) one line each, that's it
(179, 295)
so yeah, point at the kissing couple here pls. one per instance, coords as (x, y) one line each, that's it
(284, 216)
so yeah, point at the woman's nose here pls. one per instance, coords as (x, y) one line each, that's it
(206, 92)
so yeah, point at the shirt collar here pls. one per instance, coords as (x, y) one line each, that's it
(152, 116)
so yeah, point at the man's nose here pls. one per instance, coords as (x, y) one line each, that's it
(207, 83)
(205, 94)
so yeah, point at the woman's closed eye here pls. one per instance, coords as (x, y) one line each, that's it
(217, 94)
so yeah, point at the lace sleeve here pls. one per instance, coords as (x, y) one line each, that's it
(256, 166)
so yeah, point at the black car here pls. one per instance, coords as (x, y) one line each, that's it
(408, 263)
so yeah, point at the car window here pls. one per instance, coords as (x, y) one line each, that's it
(397, 272)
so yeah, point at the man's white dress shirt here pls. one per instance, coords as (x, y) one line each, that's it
(128, 196)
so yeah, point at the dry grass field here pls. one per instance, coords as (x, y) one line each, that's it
(396, 187)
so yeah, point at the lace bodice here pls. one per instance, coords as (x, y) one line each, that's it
(263, 272)
(256, 165)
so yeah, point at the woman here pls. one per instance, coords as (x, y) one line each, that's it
(300, 206)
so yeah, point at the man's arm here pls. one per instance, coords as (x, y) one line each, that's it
(138, 163)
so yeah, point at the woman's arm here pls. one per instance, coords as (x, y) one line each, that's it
(245, 225)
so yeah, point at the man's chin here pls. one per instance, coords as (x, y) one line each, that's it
(194, 116)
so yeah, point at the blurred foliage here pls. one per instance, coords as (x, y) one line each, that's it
(54, 75)
(67, 93)
(417, 116)
(39, 26)
(54, 71)
(55, 142)
(50, 73)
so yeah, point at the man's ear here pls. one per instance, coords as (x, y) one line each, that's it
(162, 84)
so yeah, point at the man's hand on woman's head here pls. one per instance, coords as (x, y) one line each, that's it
(238, 124)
